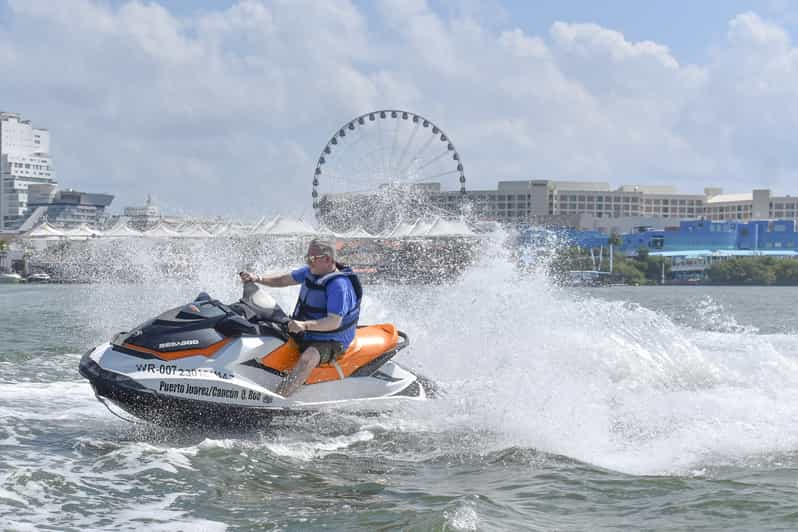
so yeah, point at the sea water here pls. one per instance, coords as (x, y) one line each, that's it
(652, 408)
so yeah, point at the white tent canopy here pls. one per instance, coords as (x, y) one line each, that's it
(326, 232)
(282, 226)
(82, 232)
(277, 226)
(261, 226)
(357, 232)
(193, 231)
(402, 229)
(45, 230)
(90, 230)
(160, 231)
(441, 227)
(420, 228)
(121, 230)
(232, 230)
(436, 227)
(222, 229)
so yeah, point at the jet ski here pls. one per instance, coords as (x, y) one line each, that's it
(209, 363)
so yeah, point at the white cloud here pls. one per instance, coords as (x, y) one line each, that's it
(748, 31)
(226, 111)
(746, 111)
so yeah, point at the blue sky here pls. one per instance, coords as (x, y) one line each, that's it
(194, 101)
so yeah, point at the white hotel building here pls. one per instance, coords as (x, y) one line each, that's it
(26, 168)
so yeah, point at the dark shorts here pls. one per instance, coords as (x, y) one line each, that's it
(328, 349)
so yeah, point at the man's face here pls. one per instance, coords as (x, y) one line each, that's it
(319, 261)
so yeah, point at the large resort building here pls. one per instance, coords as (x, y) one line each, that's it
(595, 205)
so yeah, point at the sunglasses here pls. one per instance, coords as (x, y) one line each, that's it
(314, 258)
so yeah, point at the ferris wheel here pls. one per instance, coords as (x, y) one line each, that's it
(383, 166)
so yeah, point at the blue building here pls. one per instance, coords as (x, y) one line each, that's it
(689, 235)
(692, 246)
(693, 235)
(696, 244)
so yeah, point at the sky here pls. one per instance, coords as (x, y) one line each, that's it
(223, 107)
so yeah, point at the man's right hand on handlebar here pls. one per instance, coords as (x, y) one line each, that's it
(248, 277)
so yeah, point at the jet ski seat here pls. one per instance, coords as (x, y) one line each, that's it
(370, 343)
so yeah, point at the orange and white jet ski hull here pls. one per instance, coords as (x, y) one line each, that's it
(222, 370)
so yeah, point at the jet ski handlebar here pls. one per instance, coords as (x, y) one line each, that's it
(263, 304)
(405, 339)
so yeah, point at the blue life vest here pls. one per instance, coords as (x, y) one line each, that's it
(312, 303)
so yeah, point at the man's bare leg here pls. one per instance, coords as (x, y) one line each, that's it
(297, 377)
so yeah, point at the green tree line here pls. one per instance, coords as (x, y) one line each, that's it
(754, 271)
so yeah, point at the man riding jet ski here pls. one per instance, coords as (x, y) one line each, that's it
(326, 313)
(214, 364)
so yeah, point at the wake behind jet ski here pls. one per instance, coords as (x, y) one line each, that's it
(209, 363)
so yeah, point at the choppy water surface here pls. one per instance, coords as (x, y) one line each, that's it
(642, 408)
